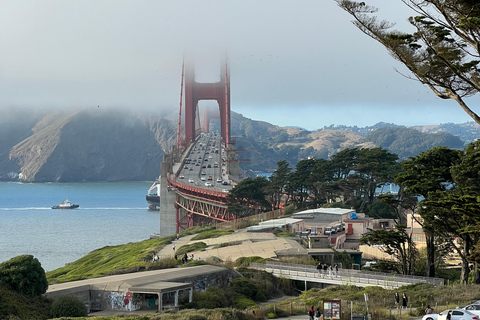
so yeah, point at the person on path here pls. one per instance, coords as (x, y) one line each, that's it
(336, 270)
(397, 300)
(404, 301)
(311, 313)
(318, 314)
(173, 248)
(319, 268)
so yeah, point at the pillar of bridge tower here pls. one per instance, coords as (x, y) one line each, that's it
(206, 121)
(195, 91)
(167, 198)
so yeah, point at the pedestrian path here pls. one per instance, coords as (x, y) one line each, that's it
(168, 252)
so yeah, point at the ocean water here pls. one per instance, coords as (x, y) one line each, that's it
(109, 214)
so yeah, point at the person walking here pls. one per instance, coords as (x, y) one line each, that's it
(397, 300)
(319, 268)
(318, 314)
(311, 313)
(404, 301)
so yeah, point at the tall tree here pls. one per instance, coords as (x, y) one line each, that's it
(300, 182)
(428, 172)
(443, 52)
(248, 197)
(278, 181)
(395, 243)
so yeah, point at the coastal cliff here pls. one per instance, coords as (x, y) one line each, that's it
(92, 145)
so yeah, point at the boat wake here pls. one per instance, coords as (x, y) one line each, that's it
(25, 209)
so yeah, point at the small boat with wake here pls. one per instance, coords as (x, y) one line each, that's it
(66, 205)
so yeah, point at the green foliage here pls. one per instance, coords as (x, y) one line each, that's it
(211, 234)
(17, 306)
(245, 261)
(197, 246)
(248, 288)
(288, 210)
(344, 258)
(68, 306)
(196, 229)
(24, 274)
(241, 302)
(226, 244)
(284, 234)
(211, 298)
(108, 260)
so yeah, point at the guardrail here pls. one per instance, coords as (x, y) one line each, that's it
(343, 276)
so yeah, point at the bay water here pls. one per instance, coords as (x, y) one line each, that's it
(110, 213)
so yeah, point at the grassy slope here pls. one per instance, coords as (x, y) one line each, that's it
(130, 257)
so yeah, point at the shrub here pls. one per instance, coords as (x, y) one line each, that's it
(245, 261)
(288, 209)
(68, 306)
(197, 246)
(25, 275)
(211, 234)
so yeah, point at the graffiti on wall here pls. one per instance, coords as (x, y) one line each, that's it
(124, 301)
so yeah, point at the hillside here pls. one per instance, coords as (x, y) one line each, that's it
(117, 145)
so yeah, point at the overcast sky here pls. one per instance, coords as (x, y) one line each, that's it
(293, 63)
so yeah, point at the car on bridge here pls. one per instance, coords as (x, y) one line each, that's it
(203, 173)
(191, 180)
(203, 179)
(181, 176)
(219, 180)
(210, 178)
(208, 184)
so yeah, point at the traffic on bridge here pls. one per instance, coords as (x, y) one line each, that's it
(204, 165)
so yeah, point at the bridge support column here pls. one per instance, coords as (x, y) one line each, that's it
(167, 199)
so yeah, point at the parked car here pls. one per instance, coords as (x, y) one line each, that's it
(455, 314)
(473, 308)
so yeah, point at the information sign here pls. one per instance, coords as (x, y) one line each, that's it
(332, 309)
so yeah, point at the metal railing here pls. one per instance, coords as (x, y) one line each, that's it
(342, 276)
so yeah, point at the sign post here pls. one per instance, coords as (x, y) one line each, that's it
(332, 309)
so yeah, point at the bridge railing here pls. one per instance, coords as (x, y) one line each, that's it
(346, 276)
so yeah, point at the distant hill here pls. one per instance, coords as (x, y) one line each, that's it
(114, 145)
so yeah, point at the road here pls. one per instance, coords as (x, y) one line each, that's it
(205, 164)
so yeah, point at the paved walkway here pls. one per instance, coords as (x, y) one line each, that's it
(168, 251)
(243, 244)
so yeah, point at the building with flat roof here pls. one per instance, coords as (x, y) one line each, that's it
(155, 290)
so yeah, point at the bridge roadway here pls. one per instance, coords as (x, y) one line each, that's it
(204, 164)
(201, 184)
(358, 278)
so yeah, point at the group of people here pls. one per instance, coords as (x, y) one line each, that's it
(404, 300)
(324, 269)
(314, 314)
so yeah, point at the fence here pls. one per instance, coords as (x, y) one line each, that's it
(242, 223)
